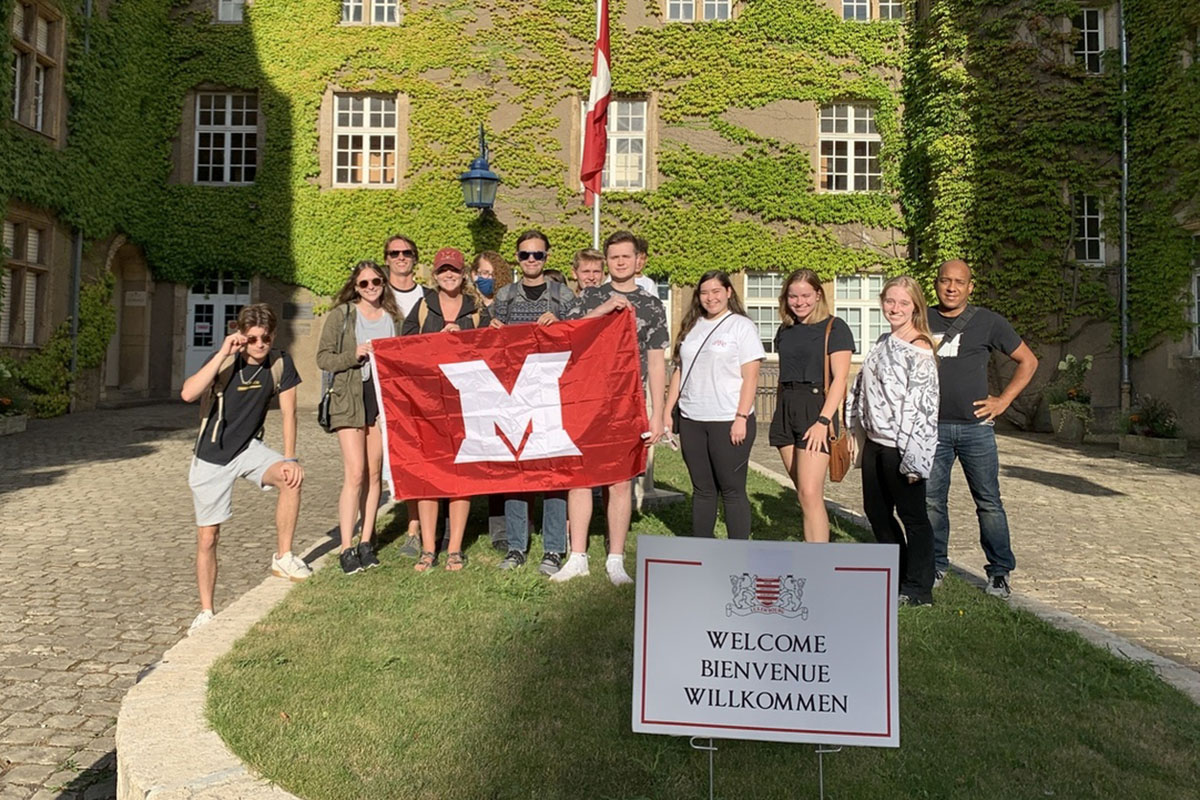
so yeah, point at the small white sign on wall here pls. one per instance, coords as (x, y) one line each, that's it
(135, 299)
(779, 641)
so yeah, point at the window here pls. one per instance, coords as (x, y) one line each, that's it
(370, 12)
(762, 304)
(698, 10)
(226, 137)
(230, 10)
(24, 265)
(625, 162)
(364, 132)
(856, 9)
(856, 301)
(1089, 44)
(36, 49)
(849, 149)
(891, 9)
(1088, 237)
(1196, 293)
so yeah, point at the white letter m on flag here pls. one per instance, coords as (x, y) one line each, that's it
(523, 425)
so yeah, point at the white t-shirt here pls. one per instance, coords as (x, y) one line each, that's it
(647, 283)
(714, 386)
(407, 300)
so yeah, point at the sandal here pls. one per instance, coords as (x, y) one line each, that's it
(425, 562)
(455, 561)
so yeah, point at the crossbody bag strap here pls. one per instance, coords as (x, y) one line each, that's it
(959, 324)
(693, 364)
(828, 373)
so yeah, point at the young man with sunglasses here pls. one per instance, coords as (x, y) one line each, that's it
(534, 300)
(236, 386)
(400, 257)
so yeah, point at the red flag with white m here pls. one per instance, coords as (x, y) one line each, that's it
(516, 409)
(595, 125)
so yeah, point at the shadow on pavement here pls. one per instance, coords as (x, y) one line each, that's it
(1067, 483)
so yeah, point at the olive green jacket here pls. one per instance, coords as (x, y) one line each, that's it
(346, 398)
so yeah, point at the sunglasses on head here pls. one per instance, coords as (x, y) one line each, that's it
(398, 253)
(265, 339)
(365, 282)
(536, 255)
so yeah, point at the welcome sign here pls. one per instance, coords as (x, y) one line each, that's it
(779, 641)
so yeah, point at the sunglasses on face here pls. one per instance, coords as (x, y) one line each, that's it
(536, 255)
(364, 283)
(398, 253)
(265, 339)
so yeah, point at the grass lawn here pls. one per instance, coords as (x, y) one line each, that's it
(483, 684)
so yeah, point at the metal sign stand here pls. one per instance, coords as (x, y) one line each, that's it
(822, 749)
(711, 748)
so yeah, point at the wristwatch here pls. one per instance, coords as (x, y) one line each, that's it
(823, 420)
(743, 416)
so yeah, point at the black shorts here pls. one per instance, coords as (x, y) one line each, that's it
(798, 407)
(370, 402)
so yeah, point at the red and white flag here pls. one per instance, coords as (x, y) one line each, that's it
(522, 408)
(595, 126)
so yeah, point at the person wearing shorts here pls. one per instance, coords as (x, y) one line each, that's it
(236, 386)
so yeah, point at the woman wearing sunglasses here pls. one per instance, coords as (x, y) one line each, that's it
(365, 309)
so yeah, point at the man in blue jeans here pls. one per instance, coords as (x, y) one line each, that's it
(966, 336)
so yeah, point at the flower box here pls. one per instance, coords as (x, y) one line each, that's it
(1153, 446)
(14, 423)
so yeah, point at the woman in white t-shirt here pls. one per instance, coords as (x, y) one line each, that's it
(717, 357)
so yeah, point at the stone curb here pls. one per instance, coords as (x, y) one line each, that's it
(1183, 678)
(165, 747)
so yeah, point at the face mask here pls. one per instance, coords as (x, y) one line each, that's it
(485, 285)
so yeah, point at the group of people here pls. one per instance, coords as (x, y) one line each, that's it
(909, 425)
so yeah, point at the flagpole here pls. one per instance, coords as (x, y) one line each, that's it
(596, 197)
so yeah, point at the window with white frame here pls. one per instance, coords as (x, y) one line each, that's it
(36, 34)
(625, 161)
(858, 10)
(364, 140)
(891, 9)
(1088, 237)
(370, 12)
(226, 137)
(849, 149)
(856, 301)
(762, 304)
(230, 10)
(699, 10)
(1089, 42)
(22, 273)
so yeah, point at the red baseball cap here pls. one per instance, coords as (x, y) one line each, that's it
(448, 257)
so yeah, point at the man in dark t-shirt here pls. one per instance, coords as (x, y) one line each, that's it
(966, 336)
(236, 386)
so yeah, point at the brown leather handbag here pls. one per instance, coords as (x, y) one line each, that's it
(839, 446)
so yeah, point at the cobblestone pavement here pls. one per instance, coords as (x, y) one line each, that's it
(97, 576)
(1111, 538)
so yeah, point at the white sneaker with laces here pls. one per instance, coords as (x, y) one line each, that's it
(615, 566)
(290, 567)
(576, 566)
(202, 619)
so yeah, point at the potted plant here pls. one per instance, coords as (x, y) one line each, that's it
(1069, 401)
(1152, 429)
(12, 402)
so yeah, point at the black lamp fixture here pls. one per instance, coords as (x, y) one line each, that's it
(479, 183)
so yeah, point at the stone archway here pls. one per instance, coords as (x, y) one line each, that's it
(127, 364)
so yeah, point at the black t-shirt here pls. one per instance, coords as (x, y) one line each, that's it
(247, 397)
(799, 349)
(535, 292)
(963, 360)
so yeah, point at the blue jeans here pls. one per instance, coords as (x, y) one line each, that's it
(554, 521)
(975, 446)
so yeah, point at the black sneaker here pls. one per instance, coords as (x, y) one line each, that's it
(411, 547)
(911, 600)
(551, 563)
(998, 587)
(514, 559)
(938, 577)
(349, 561)
(366, 555)
(500, 545)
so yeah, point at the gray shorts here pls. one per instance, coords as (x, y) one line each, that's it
(212, 484)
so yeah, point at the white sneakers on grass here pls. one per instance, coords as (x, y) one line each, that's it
(290, 567)
(577, 565)
(615, 566)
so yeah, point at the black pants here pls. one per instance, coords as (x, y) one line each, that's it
(886, 491)
(715, 464)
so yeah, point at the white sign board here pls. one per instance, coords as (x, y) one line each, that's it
(780, 641)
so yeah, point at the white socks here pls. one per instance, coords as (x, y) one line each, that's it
(615, 566)
(577, 565)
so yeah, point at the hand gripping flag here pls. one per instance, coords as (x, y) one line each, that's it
(522, 408)
(595, 126)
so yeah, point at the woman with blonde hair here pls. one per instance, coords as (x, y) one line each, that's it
(806, 415)
(364, 309)
(893, 414)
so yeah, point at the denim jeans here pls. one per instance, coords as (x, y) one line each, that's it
(554, 521)
(975, 446)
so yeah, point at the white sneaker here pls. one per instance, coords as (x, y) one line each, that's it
(202, 619)
(290, 567)
(576, 566)
(615, 566)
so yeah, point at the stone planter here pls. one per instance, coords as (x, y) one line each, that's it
(1067, 426)
(12, 424)
(1152, 446)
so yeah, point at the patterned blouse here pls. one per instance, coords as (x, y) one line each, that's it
(895, 402)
